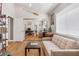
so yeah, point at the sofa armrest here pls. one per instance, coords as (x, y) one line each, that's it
(65, 52)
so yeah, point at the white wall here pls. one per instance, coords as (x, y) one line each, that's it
(18, 29)
(67, 20)
(8, 9)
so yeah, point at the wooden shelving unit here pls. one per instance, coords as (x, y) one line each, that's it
(3, 33)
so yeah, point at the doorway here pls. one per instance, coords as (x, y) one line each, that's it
(10, 19)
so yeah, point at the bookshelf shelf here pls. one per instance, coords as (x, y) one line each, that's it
(3, 32)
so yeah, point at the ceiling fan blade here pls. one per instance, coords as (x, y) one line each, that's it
(29, 10)
(35, 13)
(32, 12)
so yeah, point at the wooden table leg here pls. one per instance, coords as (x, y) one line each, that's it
(28, 50)
(39, 52)
(25, 52)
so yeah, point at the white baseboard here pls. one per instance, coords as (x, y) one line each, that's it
(15, 40)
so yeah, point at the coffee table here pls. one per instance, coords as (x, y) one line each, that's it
(30, 46)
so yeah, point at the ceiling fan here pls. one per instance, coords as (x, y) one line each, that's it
(33, 12)
(29, 9)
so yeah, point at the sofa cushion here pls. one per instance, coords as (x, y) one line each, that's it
(55, 39)
(71, 44)
(49, 46)
(63, 43)
(59, 41)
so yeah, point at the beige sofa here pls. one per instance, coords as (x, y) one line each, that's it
(61, 46)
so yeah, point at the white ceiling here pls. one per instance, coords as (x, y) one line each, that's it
(35, 7)
(41, 7)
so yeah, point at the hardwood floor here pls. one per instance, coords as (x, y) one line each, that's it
(18, 48)
(32, 38)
